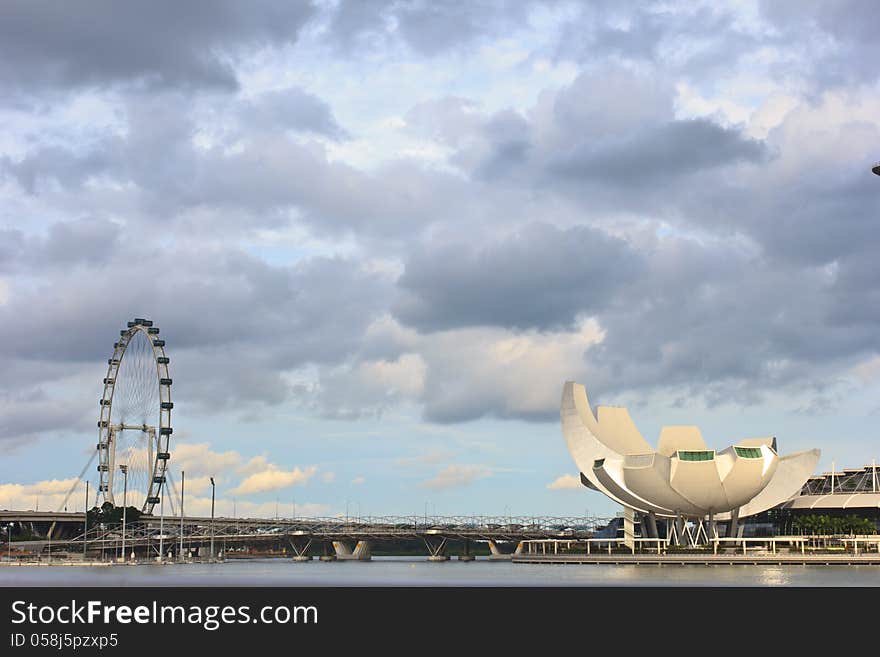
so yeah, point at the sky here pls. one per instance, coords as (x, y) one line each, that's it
(378, 236)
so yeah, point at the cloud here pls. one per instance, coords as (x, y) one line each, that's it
(26, 414)
(565, 482)
(328, 477)
(199, 459)
(661, 197)
(254, 465)
(273, 478)
(466, 373)
(196, 485)
(268, 319)
(659, 152)
(370, 387)
(358, 481)
(432, 457)
(556, 274)
(48, 495)
(454, 476)
(835, 38)
(291, 109)
(428, 28)
(163, 44)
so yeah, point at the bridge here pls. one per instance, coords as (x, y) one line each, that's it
(336, 537)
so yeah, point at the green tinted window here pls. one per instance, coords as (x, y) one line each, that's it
(598, 463)
(748, 452)
(707, 455)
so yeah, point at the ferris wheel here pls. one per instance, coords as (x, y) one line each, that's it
(134, 427)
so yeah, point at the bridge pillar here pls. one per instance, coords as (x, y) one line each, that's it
(300, 546)
(436, 548)
(496, 553)
(326, 556)
(344, 552)
(466, 556)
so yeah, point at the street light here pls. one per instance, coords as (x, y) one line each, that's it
(182, 483)
(124, 470)
(9, 538)
(86, 523)
(212, 518)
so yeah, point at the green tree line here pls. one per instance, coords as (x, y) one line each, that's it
(832, 525)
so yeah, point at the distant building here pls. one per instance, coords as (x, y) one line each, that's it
(851, 492)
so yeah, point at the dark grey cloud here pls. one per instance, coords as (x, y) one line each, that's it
(432, 27)
(612, 129)
(11, 246)
(723, 323)
(291, 109)
(428, 28)
(29, 413)
(233, 323)
(58, 164)
(156, 172)
(818, 222)
(838, 38)
(542, 277)
(702, 41)
(87, 240)
(100, 42)
(806, 210)
(659, 152)
(715, 320)
(511, 140)
(716, 264)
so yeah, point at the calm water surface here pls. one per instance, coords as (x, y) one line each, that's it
(414, 571)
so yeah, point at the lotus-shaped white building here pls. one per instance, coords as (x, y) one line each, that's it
(681, 478)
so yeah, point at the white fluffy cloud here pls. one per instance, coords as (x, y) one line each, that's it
(453, 476)
(565, 482)
(46, 495)
(200, 459)
(273, 478)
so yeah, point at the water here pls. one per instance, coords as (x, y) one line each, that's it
(416, 571)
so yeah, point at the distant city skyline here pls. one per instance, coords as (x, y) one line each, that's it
(379, 236)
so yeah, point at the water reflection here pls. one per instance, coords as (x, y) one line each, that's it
(410, 571)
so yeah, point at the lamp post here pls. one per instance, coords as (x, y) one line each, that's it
(86, 524)
(9, 540)
(212, 518)
(182, 483)
(124, 470)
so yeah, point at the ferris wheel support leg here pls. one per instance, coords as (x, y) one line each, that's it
(111, 466)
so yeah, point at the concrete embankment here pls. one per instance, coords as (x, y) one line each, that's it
(702, 559)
